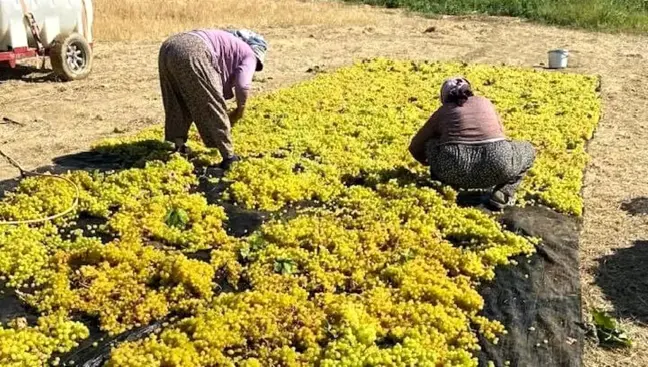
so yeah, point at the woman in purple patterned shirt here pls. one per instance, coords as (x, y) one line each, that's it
(201, 69)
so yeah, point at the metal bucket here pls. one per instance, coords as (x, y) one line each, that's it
(558, 59)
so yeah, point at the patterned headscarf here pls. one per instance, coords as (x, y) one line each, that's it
(257, 43)
(452, 84)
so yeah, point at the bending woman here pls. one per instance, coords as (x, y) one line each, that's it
(198, 71)
(465, 146)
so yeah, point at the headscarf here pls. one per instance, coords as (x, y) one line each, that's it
(255, 41)
(450, 85)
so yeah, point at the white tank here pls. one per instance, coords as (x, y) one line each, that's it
(52, 16)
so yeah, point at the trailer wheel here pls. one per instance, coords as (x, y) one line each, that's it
(71, 56)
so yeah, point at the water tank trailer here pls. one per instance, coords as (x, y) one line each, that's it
(59, 29)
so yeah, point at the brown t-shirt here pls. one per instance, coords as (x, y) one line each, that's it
(476, 121)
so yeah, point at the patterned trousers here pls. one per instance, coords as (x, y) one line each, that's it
(500, 165)
(192, 91)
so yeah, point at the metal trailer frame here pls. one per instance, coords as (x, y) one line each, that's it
(10, 57)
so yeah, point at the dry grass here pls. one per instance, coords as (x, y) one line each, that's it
(118, 20)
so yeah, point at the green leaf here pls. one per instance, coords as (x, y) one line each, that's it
(245, 252)
(284, 266)
(177, 217)
(603, 320)
(257, 243)
(608, 331)
(254, 244)
(407, 255)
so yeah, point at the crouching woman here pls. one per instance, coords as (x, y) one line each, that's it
(465, 146)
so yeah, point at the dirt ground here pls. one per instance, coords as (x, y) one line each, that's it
(122, 96)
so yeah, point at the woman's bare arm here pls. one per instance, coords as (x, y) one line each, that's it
(425, 133)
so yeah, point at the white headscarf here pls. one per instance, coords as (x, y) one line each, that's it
(255, 41)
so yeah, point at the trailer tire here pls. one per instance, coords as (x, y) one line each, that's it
(71, 56)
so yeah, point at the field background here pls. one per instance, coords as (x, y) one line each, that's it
(609, 15)
(122, 96)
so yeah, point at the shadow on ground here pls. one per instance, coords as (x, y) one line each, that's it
(636, 206)
(27, 74)
(113, 158)
(117, 156)
(623, 277)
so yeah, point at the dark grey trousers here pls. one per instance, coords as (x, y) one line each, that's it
(499, 165)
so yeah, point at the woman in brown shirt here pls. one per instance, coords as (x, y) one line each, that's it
(465, 146)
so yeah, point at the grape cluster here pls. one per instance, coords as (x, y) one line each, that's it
(126, 284)
(24, 345)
